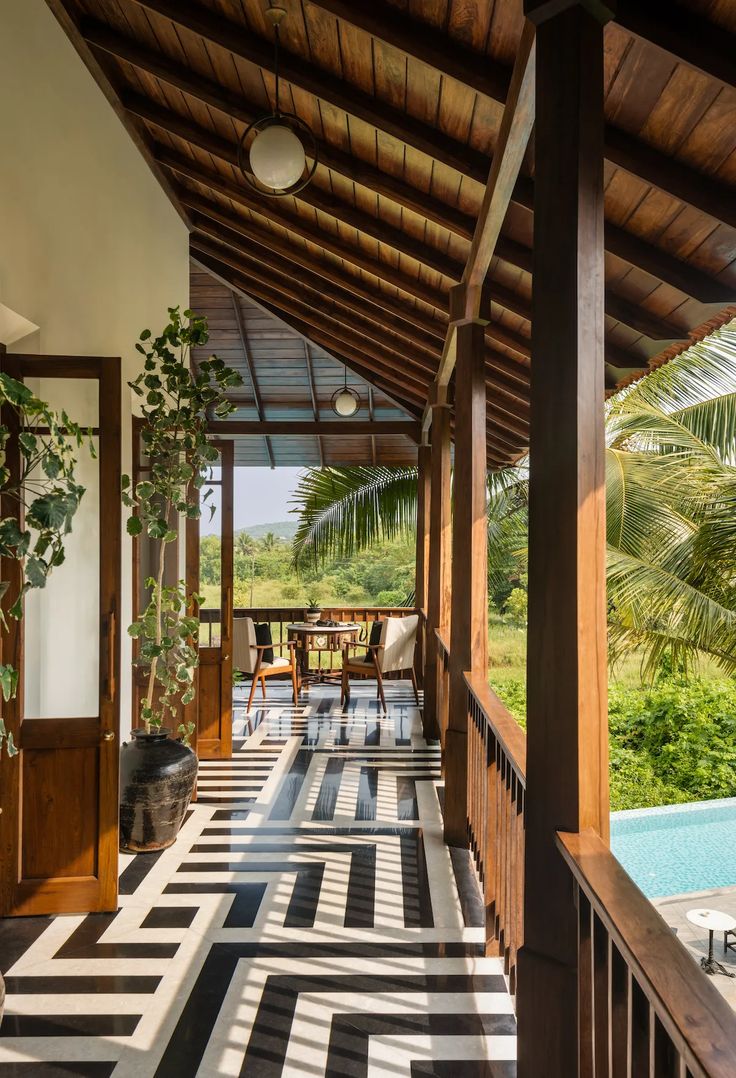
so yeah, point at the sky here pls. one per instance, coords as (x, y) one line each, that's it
(261, 496)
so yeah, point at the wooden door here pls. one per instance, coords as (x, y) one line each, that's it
(59, 820)
(215, 677)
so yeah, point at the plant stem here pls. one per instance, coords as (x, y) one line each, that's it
(159, 628)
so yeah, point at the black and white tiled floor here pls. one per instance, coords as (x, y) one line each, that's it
(307, 922)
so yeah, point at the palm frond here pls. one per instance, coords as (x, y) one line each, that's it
(703, 372)
(655, 609)
(345, 510)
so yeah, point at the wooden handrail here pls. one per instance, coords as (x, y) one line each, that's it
(697, 1019)
(442, 640)
(505, 727)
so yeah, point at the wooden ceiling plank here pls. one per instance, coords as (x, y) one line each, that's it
(265, 208)
(492, 79)
(235, 39)
(386, 23)
(325, 428)
(623, 244)
(233, 232)
(381, 359)
(321, 303)
(688, 36)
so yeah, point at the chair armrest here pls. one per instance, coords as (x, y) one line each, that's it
(275, 647)
(362, 646)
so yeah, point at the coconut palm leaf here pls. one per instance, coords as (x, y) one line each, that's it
(659, 611)
(344, 510)
(698, 388)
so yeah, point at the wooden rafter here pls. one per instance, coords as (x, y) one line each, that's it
(662, 22)
(243, 334)
(326, 428)
(516, 128)
(507, 250)
(313, 399)
(686, 185)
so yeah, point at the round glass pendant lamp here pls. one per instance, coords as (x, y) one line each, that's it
(276, 163)
(345, 402)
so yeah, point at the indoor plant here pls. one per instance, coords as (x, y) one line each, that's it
(158, 771)
(40, 497)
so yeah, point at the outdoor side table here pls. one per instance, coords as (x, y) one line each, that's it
(311, 638)
(714, 921)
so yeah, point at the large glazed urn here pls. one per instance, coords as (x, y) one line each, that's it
(157, 776)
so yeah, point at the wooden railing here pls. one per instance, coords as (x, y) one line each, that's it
(496, 805)
(443, 682)
(644, 1007)
(279, 617)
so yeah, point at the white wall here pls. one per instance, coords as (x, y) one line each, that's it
(91, 251)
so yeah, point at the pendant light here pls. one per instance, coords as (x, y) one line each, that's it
(276, 163)
(345, 402)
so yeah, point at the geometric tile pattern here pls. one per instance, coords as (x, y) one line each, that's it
(309, 921)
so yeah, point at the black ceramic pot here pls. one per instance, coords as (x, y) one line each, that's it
(157, 776)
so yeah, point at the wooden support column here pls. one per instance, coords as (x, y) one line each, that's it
(438, 576)
(469, 618)
(567, 757)
(422, 561)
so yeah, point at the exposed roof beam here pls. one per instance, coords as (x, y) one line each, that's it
(516, 128)
(313, 398)
(312, 195)
(266, 208)
(688, 36)
(416, 38)
(506, 375)
(327, 428)
(478, 260)
(693, 187)
(243, 334)
(243, 43)
(237, 232)
(322, 306)
(382, 361)
(663, 22)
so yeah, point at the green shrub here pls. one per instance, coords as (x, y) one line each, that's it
(670, 743)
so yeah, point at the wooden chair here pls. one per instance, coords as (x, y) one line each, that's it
(393, 654)
(248, 659)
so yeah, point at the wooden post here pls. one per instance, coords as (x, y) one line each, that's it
(422, 562)
(469, 620)
(438, 576)
(567, 757)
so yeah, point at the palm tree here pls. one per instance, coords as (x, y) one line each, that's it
(670, 500)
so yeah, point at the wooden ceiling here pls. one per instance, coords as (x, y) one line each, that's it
(405, 98)
(288, 384)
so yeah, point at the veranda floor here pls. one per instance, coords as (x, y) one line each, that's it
(308, 921)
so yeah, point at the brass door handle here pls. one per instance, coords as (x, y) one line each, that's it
(109, 735)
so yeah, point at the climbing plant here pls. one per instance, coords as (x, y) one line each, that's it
(176, 402)
(40, 499)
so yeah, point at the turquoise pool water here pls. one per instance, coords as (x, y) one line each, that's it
(678, 848)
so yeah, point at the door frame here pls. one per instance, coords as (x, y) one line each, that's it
(221, 747)
(67, 894)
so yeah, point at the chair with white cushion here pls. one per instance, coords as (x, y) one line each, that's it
(393, 653)
(248, 658)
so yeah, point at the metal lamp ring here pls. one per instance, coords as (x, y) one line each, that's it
(305, 136)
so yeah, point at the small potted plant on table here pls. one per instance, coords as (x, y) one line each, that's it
(314, 611)
(158, 771)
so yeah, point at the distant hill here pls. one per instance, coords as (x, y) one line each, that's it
(282, 529)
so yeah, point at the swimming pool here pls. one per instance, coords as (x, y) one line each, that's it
(678, 848)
